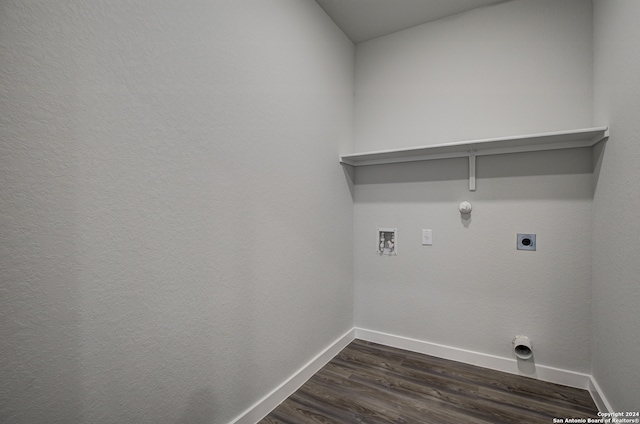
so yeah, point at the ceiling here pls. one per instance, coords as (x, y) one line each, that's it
(364, 20)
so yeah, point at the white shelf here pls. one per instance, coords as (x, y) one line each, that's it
(584, 137)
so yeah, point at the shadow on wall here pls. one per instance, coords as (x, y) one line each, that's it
(558, 174)
(527, 367)
(40, 336)
(598, 155)
(350, 177)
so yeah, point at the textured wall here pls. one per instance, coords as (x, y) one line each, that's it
(518, 67)
(176, 230)
(515, 68)
(616, 269)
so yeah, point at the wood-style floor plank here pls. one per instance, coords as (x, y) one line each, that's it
(371, 383)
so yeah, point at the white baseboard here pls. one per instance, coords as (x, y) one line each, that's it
(598, 396)
(510, 365)
(265, 405)
(525, 368)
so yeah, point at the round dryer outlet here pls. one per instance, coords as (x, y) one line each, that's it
(526, 242)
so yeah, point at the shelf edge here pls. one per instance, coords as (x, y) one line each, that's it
(530, 142)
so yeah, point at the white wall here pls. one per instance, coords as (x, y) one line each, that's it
(514, 68)
(176, 229)
(616, 269)
(154, 264)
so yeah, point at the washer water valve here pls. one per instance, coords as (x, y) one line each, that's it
(387, 241)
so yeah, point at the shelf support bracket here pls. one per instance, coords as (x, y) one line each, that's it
(472, 169)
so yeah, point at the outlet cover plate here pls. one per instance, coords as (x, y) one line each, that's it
(427, 237)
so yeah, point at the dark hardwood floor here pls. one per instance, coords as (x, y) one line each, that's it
(371, 383)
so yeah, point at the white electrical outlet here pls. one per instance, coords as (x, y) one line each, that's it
(427, 237)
